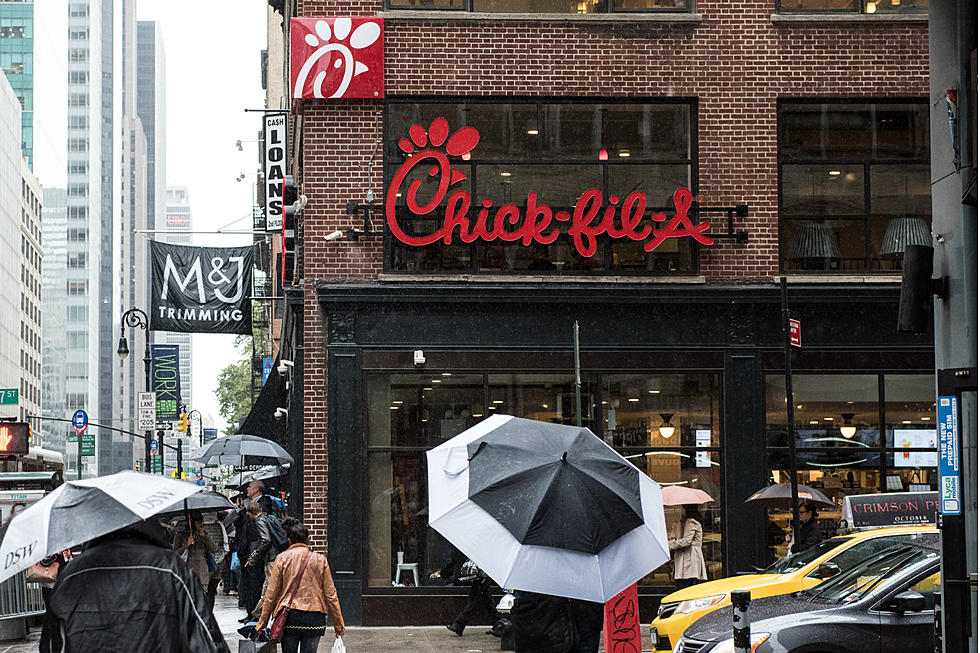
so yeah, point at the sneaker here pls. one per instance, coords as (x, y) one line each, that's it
(456, 629)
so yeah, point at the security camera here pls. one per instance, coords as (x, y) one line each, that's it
(284, 366)
(335, 235)
(419, 358)
(281, 413)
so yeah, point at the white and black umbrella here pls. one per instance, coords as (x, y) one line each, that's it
(208, 501)
(780, 495)
(261, 474)
(242, 450)
(546, 508)
(80, 511)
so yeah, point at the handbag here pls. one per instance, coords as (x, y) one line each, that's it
(279, 623)
(39, 573)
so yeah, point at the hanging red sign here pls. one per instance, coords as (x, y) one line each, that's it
(590, 218)
(795, 333)
(336, 58)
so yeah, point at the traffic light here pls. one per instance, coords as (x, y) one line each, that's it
(15, 438)
(290, 193)
(182, 423)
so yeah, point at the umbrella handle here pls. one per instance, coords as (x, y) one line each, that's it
(456, 464)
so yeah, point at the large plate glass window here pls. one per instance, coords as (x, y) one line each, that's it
(853, 6)
(854, 185)
(557, 150)
(546, 6)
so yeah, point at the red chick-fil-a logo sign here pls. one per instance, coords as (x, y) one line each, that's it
(336, 57)
(589, 219)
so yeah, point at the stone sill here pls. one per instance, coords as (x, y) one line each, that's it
(787, 20)
(469, 16)
(530, 278)
(843, 278)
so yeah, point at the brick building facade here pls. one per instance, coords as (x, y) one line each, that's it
(704, 324)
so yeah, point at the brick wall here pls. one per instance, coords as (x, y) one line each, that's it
(736, 62)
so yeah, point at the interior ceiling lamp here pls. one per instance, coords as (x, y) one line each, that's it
(666, 429)
(848, 430)
(901, 233)
(871, 7)
(816, 240)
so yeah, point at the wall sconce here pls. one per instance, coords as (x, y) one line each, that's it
(666, 429)
(848, 430)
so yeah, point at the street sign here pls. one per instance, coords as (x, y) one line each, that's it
(210, 435)
(146, 411)
(80, 421)
(195, 425)
(266, 369)
(154, 446)
(795, 333)
(14, 438)
(156, 464)
(87, 443)
(950, 492)
(9, 396)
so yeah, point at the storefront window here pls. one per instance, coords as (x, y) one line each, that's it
(854, 185)
(554, 153)
(545, 6)
(665, 424)
(853, 6)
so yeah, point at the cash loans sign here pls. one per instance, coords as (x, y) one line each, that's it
(535, 223)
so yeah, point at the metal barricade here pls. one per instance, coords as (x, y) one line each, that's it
(18, 598)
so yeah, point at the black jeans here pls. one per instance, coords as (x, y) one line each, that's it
(296, 643)
(479, 597)
(50, 628)
(681, 583)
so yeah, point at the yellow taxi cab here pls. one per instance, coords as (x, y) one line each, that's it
(792, 574)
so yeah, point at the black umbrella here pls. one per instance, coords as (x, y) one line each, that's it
(242, 450)
(780, 496)
(209, 501)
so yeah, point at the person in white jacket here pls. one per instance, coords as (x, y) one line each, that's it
(685, 548)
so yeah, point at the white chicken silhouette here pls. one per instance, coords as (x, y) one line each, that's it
(365, 35)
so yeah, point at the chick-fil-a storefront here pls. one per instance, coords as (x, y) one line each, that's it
(505, 222)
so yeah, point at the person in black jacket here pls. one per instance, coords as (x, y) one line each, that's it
(810, 535)
(555, 624)
(478, 599)
(129, 591)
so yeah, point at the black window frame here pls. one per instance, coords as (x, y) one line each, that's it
(604, 7)
(857, 7)
(605, 252)
(865, 161)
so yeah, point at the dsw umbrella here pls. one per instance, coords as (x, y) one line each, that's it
(79, 511)
(678, 495)
(780, 496)
(242, 450)
(546, 508)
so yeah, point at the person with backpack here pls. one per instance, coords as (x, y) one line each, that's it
(272, 540)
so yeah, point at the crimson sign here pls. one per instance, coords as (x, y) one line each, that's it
(336, 58)
(590, 218)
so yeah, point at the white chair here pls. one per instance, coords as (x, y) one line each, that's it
(406, 566)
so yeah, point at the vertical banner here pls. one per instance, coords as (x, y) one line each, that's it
(275, 168)
(210, 435)
(621, 623)
(201, 289)
(165, 380)
(950, 484)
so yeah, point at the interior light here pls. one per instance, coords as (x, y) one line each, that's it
(848, 430)
(603, 155)
(828, 419)
(447, 373)
(666, 428)
(835, 173)
(925, 419)
(632, 399)
(624, 153)
(532, 132)
(544, 405)
(394, 407)
(604, 403)
(397, 401)
(498, 401)
(906, 421)
(505, 174)
(654, 392)
(813, 421)
(799, 406)
(871, 7)
(436, 380)
(426, 389)
(477, 414)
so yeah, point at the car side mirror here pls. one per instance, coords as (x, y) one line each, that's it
(827, 570)
(907, 601)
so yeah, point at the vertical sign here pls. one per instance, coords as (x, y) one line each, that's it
(702, 440)
(795, 333)
(266, 369)
(210, 435)
(950, 502)
(621, 623)
(165, 380)
(146, 411)
(275, 168)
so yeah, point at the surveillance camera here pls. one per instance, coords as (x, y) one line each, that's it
(284, 366)
(419, 357)
(335, 235)
(281, 413)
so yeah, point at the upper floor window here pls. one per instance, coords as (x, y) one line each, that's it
(853, 184)
(547, 6)
(536, 162)
(853, 6)
(12, 32)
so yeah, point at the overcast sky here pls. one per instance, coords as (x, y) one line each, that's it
(212, 50)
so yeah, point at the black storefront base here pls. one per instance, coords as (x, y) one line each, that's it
(733, 331)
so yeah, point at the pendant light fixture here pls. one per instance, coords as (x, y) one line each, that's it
(848, 430)
(666, 429)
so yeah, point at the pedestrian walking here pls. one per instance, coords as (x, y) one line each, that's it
(263, 555)
(479, 597)
(255, 491)
(50, 640)
(309, 601)
(193, 545)
(554, 624)
(216, 563)
(810, 534)
(128, 591)
(250, 578)
(685, 546)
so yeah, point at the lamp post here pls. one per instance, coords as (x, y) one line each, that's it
(134, 317)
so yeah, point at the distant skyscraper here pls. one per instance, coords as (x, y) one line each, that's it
(54, 299)
(179, 219)
(20, 265)
(17, 63)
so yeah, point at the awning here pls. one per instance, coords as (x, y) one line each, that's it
(262, 420)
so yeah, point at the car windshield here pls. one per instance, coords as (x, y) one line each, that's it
(799, 560)
(855, 583)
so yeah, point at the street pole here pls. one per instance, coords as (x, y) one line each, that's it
(578, 380)
(790, 430)
(136, 318)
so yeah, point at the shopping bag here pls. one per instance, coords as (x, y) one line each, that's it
(338, 646)
(250, 646)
